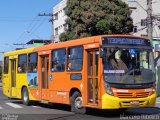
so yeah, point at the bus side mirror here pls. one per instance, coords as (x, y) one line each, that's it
(101, 52)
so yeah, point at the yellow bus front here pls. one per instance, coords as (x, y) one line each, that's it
(128, 73)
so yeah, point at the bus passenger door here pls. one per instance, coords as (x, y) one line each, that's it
(44, 77)
(13, 90)
(92, 76)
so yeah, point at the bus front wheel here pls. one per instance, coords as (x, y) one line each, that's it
(76, 103)
(25, 96)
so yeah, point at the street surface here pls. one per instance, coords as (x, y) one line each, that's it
(15, 110)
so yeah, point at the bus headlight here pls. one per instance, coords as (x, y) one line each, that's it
(108, 89)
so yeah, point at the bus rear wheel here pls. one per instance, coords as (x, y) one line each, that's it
(25, 96)
(76, 103)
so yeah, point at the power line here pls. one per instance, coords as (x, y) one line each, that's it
(33, 26)
(50, 20)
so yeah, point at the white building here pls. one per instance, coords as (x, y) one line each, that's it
(139, 15)
(59, 24)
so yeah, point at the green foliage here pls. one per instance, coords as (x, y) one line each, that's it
(66, 36)
(103, 27)
(96, 17)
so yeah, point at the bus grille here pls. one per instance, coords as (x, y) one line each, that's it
(133, 95)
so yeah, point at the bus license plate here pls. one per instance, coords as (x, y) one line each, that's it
(134, 103)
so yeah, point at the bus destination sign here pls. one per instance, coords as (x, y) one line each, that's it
(125, 41)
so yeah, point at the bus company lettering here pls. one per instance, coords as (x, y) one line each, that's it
(114, 71)
(122, 91)
(61, 93)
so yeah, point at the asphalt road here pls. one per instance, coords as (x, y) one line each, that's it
(15, 110)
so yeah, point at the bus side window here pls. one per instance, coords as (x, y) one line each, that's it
(32, 62)
(6, 65)
(75, 58)
(22, 63)
(58, 60)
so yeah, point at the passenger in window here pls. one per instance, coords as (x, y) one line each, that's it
(117, 63)
(69, 66)
(54, 69)
(35, 69)
(71, 62)
(19, 68)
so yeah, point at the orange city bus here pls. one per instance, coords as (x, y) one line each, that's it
(104, 72)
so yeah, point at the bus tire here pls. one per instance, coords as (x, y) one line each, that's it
(25, 96)
(76, 103)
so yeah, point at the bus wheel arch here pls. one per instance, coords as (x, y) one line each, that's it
(25, 95)
(76, 101)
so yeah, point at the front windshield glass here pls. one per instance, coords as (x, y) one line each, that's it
(128, 66)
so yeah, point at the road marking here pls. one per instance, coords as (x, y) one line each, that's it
(1, 107)
(14, 105)
(36, 106)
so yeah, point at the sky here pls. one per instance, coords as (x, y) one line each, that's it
(19, 22)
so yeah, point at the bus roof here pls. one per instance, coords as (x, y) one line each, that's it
(16, 52)
(81, 41)
(76, 42)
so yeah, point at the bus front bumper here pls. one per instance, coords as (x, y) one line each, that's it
(111, 102)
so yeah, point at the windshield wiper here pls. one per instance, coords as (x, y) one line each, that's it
(129, 72)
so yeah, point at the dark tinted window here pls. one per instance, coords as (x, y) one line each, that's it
(22, 63)
(58, 60)
(6, 62)
(32, 62)
(75, 58)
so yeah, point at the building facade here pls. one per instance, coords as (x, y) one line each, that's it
(59, 24)
(139, 16)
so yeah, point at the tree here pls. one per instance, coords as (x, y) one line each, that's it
(96, 17)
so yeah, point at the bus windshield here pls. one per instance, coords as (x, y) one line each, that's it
(128, 65)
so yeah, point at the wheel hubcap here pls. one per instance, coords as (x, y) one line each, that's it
(78, 102)
(25, 97)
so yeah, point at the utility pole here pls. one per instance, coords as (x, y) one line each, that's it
(51, 20)
(149, 19)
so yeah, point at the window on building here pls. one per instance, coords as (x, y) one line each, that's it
(65, 10)
(32, 62)
(143, 22)
(65, 27)
(22, 63)
(132, 8)
(6, 63)
(144, 35)
(56, 16)
(56, 31)
(58, 60)
(134, 29)
(75, 58)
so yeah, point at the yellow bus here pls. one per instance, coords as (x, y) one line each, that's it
(104, 72)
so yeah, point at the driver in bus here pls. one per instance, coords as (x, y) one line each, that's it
(117, 63)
